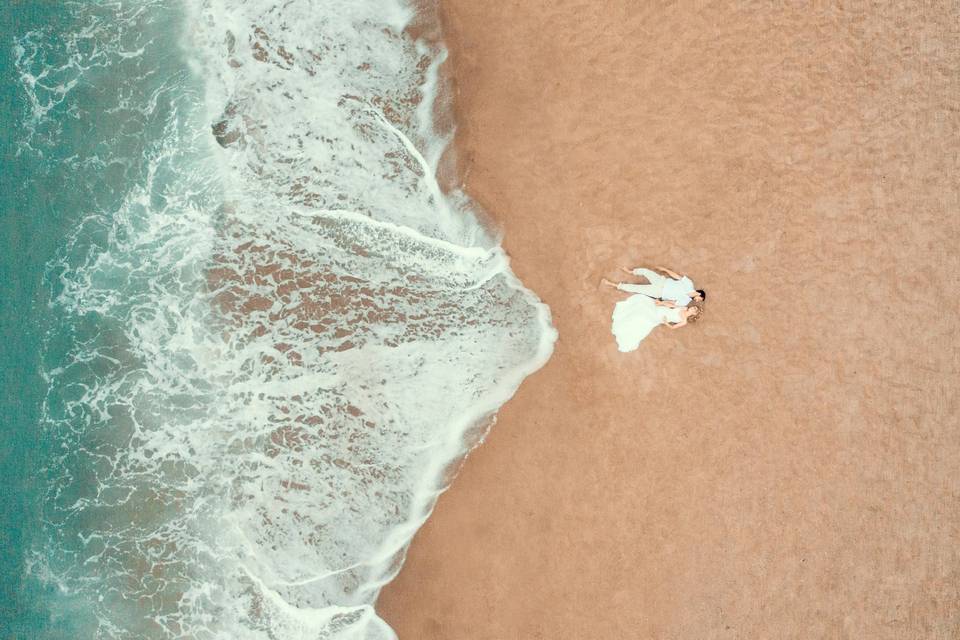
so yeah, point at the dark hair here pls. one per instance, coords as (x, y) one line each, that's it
(703, 294)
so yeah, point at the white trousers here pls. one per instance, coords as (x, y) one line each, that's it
(654, 289)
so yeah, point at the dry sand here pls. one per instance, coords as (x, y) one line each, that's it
(787, 468)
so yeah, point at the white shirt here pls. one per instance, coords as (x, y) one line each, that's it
(677, 291)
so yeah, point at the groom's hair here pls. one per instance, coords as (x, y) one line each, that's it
(703, 294)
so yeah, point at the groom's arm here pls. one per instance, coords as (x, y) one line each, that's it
(672, 274)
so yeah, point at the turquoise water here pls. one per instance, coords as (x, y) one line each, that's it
(248, 335)
(30, 225)
(36, 217)
(72, 150)
(35, 220)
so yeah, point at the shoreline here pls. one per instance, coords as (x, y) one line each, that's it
(787, 466)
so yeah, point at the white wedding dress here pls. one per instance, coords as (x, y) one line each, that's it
(637, 316)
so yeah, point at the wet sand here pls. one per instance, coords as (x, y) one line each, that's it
(790, 466)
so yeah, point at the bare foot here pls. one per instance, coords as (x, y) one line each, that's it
(627, 271)
(607, 282)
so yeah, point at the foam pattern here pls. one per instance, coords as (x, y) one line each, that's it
(284, 333)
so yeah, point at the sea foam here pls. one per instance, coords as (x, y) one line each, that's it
(285, 331)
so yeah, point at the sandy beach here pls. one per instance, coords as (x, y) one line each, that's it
(789, 467)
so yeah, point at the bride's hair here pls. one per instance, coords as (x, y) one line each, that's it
(693, 317)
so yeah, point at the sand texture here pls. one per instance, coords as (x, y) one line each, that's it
(790, 466)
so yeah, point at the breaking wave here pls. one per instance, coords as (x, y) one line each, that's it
(281, 325)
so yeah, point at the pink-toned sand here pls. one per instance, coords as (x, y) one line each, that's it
(790, 466)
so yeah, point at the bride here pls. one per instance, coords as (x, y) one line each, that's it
(638, 315)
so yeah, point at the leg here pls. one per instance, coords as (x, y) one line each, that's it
(630, 272)
(652, 276)
(646, 289)
(655, 287)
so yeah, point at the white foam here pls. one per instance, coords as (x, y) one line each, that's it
(296, 334)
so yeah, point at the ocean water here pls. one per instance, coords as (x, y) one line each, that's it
(253, 326)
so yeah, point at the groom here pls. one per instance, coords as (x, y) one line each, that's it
(675, 290)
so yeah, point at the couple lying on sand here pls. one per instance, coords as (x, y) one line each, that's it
(668, 298)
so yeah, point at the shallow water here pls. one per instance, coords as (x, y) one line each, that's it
(271, 335)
